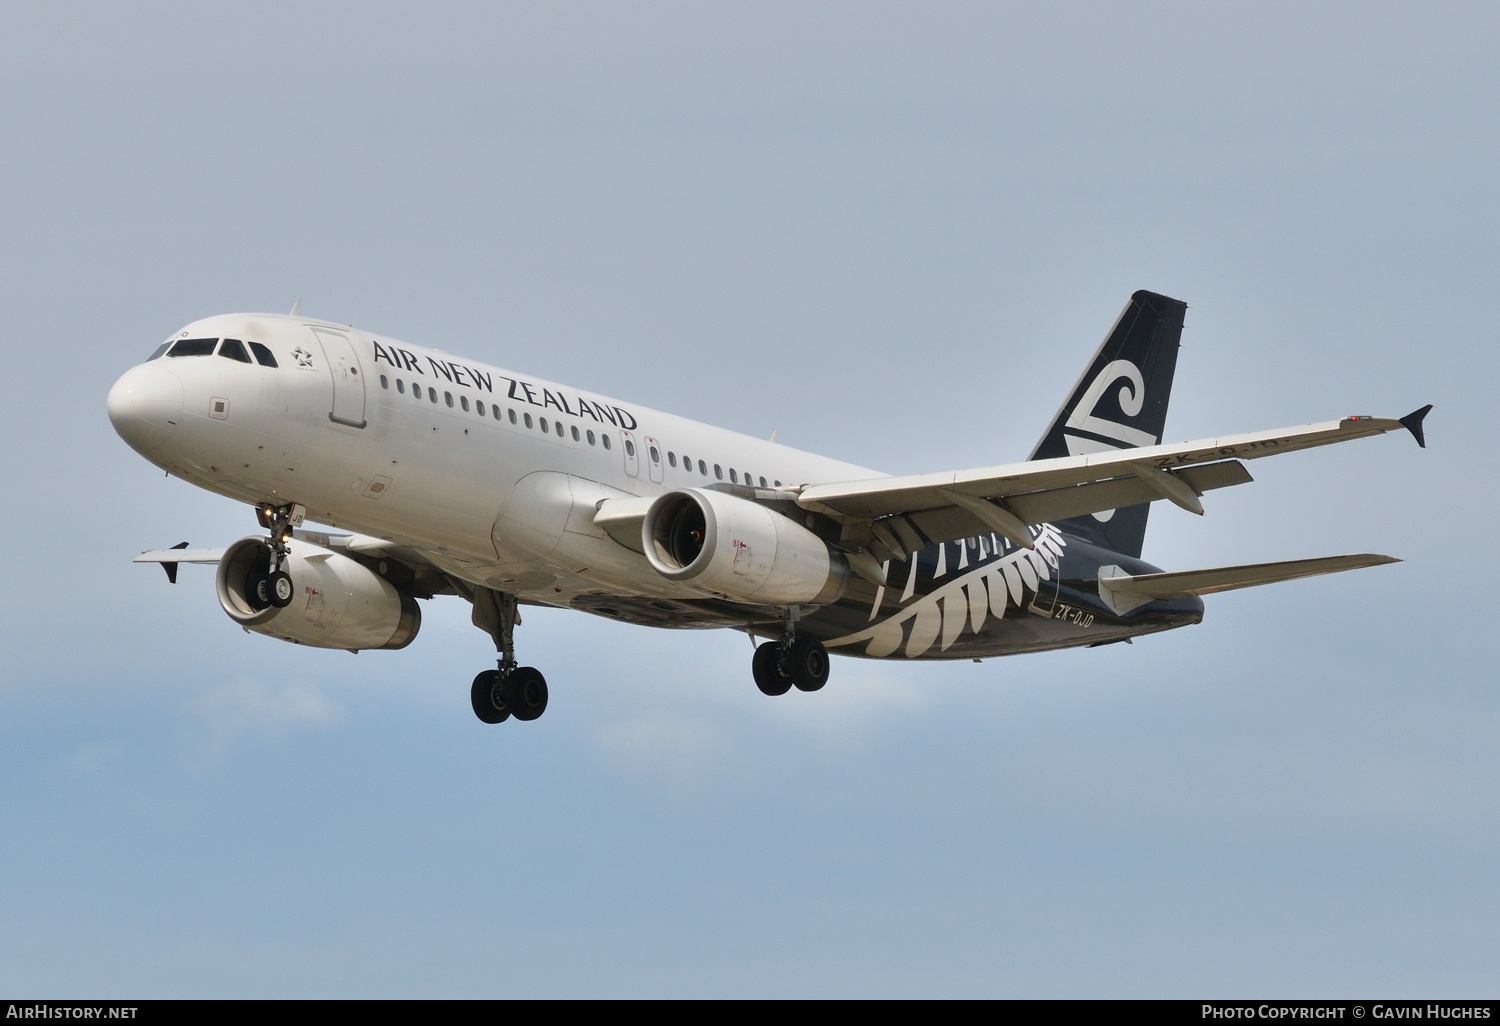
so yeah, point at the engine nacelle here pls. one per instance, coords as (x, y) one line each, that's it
(721, 544)
(338, 602)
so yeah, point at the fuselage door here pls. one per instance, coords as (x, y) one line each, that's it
(632, 458)
(653, 457)
(348, 378)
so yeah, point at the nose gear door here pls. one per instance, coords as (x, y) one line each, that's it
(348, 378)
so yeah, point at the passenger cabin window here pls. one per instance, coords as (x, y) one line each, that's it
(234, 349)
(263, 354)
(528, 421)
(702, 468)
(159, 350)
(718, 473)
(605, 440)
(543, 422)
(463, 401)
(431, 394)
(559, 427)
(400, 386)
(762, 482)
(574, 431)
(591, 437)
(733, 477)
(193, 347)
(512, 416)
(448, 398)
(672, 459)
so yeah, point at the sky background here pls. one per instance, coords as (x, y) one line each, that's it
(894, 233)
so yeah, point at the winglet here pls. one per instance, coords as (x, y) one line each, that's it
(171, 568)
(1413, 423)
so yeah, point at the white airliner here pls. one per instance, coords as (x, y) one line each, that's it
(445, 476)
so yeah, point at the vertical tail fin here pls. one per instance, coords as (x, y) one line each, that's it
(1139, 355)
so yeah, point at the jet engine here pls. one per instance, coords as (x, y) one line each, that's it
(338, 601)
(721, 544)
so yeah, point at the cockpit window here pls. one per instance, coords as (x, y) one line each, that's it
(263, 354)
(234, 349)
(159, 350)
(193, 347)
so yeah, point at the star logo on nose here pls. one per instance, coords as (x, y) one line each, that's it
(303, 357)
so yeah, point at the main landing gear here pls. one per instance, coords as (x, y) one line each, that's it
(271, 585)
(510, 690)
(791, 662)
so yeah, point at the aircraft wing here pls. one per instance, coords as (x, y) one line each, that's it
(621, 519)
(905, 514)
(427, 579)
(180, 555)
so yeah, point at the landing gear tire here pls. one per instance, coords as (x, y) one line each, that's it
(769, 670)
(488, 699)
(279, 589)
(257, 590)
(807, 664)
(526, 693)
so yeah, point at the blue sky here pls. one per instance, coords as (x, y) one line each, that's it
(893, 234)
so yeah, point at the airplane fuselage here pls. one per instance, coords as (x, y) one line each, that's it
(495, 477)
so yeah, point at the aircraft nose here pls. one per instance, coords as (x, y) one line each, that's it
(145, 405)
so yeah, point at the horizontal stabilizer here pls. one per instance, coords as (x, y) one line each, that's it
(1123, 592)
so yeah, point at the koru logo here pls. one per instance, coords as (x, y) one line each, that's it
(1132, 398)
(303, 357)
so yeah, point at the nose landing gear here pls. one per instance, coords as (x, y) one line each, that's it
(272, 586)
(270, 589)
(509, 690)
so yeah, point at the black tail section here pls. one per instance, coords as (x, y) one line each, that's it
(1121, 403)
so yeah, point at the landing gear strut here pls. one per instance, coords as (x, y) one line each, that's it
(509, 690)
(274, 587)
(779, 666)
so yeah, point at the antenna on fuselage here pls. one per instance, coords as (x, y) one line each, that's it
(295, 304)
(774, 434)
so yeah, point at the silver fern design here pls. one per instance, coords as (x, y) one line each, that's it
(941, 615)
